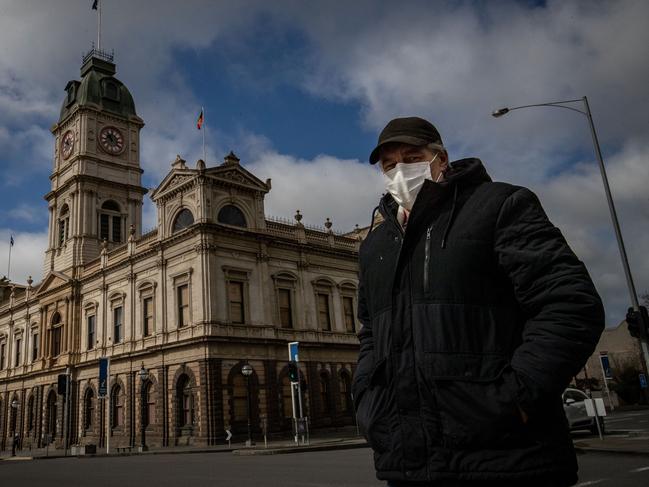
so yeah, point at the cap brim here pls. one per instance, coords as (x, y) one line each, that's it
(404, 139)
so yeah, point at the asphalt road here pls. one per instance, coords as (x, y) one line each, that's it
(628, 420)
(341, 468)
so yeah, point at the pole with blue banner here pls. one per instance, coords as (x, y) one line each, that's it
(103, 392)
(606, 375)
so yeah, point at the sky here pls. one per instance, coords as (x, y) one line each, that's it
(299, 90)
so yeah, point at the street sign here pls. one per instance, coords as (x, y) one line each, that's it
(103, 377)
(643, 381)
(593, 405)
(229, 435)
(292, 351)
(606, 366)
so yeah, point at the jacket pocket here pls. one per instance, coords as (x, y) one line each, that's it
(375, 412)
(477, 407)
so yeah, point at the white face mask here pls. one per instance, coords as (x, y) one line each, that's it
(404, 181)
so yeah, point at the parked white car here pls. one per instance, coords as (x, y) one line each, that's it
(575, 408)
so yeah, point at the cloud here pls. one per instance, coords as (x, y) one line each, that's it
(326, 187)
(27, 254)
(26, 213)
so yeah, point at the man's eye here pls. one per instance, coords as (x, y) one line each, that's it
(411, 159)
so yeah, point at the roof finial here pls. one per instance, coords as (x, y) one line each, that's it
(231, 158)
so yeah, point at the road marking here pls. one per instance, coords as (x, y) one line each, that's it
(590, 482)
(641, 469)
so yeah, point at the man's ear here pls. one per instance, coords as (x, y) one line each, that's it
(443, 161)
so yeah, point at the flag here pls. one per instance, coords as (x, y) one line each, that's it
(11, 241)
(199, 122)
(94, 4)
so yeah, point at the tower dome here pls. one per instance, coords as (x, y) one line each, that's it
(98, 88)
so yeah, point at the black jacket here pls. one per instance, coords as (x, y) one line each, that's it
(480, 308)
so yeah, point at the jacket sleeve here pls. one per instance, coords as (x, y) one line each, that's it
(564, 314)
(365, 362)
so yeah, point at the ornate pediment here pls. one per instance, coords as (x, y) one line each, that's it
(236, 175)
(53, 280)
(174, 180)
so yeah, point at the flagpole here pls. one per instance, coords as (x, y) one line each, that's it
(204, 129)
(9, 265)
(99, 25)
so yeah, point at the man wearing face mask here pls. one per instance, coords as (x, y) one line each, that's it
(476, 314)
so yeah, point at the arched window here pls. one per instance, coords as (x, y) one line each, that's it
(149, 399)
(345, 392)
(14, 413)
(51, 416)
(30, 414)
(324, 392)
(64, 225)
(183, 219)
(110, 222)
(286, 399)
(56, 334)
(231, 215)
(88, 409)
(185, 402)
(239, 398)
(117, 407)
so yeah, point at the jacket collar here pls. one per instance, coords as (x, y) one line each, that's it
(463, 172)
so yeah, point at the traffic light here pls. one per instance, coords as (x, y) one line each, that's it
(62, 384)
(638, 322)
(292, 371)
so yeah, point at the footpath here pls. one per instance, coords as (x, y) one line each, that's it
(614, 441)
(617, 441)
(333, 440)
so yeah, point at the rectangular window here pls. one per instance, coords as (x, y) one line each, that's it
(147, 316)
(104, 227)
(183, 305)
(34, 346)
(285, 311)
(18, 354)
(91, 332)
(324, 320)
(2, 356)
(348, 310)
(117, 325)
(61, 232)
(56, 341)
(117, 229)
(235, 297)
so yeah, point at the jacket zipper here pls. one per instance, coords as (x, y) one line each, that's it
(427, 258)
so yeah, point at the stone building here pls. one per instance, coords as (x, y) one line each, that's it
(214, 286)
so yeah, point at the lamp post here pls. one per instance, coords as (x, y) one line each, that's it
(616, 226)
(246, 370)
(144, 375)
(14, 410)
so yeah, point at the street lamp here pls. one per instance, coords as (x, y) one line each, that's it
(144, 375)
(616, 226)
(14, 410)
(246, 370)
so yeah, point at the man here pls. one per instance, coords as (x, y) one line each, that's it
(476, 314)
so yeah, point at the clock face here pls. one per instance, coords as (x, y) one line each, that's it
(67, 144)
(111, 140)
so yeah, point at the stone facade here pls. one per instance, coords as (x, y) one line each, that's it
(214, 286)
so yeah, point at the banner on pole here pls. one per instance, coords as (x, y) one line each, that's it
(103, 377)
(292, 351)
(606, 366)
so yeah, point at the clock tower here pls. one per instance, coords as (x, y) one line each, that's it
(96, 192)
